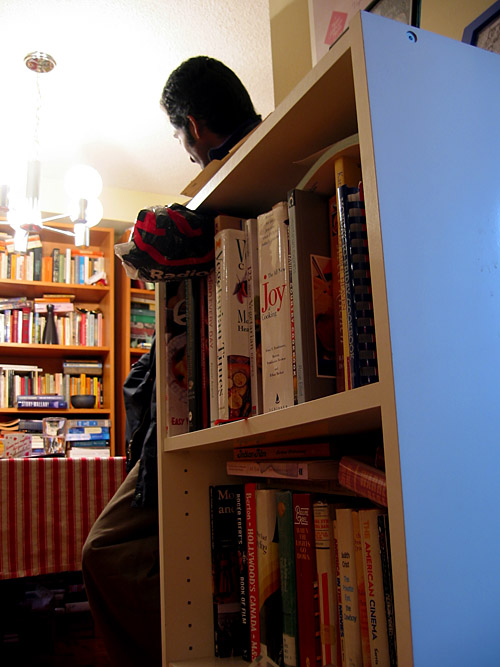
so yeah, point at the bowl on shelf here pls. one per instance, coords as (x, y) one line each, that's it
(82, 400)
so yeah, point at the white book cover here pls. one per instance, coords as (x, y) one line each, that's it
(253, 290)
(233, 356)
(275, 311)
(349, 588)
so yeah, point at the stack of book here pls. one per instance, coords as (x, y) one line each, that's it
(83, 376)
(23, 321)
(302, 577)
(142, 322)
(88, 438)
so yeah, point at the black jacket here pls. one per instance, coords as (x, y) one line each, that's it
(139, 395)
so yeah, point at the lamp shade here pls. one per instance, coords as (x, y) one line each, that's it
(83, 182)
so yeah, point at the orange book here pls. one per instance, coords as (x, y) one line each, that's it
(47, 269)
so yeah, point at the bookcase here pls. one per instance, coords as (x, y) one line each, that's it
(425, 108)
(126, 354)
(50, 357)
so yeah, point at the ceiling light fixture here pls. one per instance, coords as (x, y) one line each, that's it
(83, 184)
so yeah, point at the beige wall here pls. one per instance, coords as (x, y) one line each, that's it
(290, 41)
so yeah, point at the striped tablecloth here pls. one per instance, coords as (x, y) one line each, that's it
(47, 507)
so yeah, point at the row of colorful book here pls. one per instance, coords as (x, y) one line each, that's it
(83, 376)
(300, 577)
(24, 321)
(74, 266)
(287, 314)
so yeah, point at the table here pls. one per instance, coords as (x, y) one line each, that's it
(47, 507)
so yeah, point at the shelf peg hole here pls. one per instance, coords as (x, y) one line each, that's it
(411, 36)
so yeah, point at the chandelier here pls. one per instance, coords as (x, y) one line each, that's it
(83, 184)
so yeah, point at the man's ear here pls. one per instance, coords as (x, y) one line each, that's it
(195, 127)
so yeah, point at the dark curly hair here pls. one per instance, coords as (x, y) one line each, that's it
(209, 91)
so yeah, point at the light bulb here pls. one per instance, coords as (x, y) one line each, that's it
(83, 182)
(87, 211)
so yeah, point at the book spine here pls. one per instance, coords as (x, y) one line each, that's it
(327, 585)
(212, 348)
(292, 451)
(340, 617)
(204, 363)
(243, 572)
(336, 295)
(177, 399)
(385, 554)
(225, 569)
(311, 285)
(254, 333)
(270, 607)
(349, 589)
(306, 578)
(286, 549)
(253, 576)
(363, 479)
(41, 404)
(360, 278)
(193, 354)
(233, 357)
(277, 361)
(374, 587)
(363, 616)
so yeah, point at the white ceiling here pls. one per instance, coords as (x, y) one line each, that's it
(100, 105)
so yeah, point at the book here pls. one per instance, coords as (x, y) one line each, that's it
(204, 393)
(347, 171)
(363, 613)
(340, 618)
(293, 450)
(193, 354)
(225, 570)
(212, 348)
(338, 332)
(306, 578)
(177, 407)
(268, 566)
(327, 584)
(253, 575)
(275, 310)
(241, 532)
(86, 437)
(357, 278)
(233, 357)
(313, 307)
(41, 401)
(254, 333)
(75, 423)
(286, 551)
(349, 588)
(284, 469)
(385, 555)
(374, 586)
(363, 479)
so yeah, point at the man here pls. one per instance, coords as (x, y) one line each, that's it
(210, 111)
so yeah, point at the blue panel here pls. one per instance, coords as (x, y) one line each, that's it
(435, 107)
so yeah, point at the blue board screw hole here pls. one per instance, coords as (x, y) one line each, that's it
(411, 36)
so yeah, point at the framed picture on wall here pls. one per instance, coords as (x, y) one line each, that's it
(328, 19)
(485, 30)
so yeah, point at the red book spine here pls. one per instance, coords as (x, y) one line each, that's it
(306, 577)
(363, 479)
(253, 583)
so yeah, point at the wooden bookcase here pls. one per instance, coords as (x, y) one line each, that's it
(50, 357)
(126, 355)
(426, 110)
